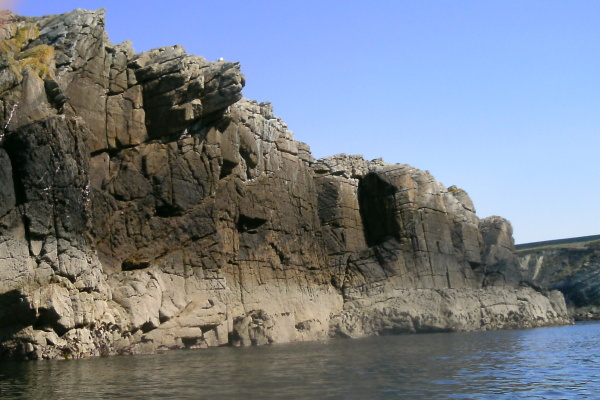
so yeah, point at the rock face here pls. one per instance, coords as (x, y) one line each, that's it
(145, 205)
(573, 267)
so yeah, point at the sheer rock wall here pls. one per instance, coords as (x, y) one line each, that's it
(572, 268)
(145, 205)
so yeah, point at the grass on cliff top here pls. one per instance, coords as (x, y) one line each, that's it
(573, 243)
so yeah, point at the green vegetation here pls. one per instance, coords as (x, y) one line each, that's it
(557, 244)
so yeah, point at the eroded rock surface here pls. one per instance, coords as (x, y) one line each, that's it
(145, 205)
(571, 267)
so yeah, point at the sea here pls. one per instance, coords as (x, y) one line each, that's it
(546, 363)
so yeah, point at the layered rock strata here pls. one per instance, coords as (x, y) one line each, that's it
(573, 267)
(147, 206)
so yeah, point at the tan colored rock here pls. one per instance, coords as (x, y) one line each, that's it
(148, 207)
(502, 264)
(451, 310)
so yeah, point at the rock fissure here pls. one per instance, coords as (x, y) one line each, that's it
(159, 209)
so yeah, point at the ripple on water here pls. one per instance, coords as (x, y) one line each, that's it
(550, 363)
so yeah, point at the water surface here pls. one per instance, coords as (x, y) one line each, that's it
(549, 363)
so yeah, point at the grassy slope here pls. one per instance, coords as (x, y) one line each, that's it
(559, 243)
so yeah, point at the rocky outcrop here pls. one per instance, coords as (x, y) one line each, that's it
(147, 206)
(499, 258)
(410, 255)
(571, 266)
(449, 310)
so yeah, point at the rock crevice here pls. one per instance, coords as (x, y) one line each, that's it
(145, 205)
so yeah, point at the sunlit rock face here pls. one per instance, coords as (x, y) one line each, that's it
(145, 206)
(569, 265)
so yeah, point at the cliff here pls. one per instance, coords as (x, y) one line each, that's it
(569, 265)
(147, 206)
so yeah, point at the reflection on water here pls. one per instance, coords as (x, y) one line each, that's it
(551, 363)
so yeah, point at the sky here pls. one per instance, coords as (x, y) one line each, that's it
(498, 97)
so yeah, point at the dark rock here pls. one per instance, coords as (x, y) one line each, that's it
(7, 190)
(145, 205)
(180, 88)
(55, 93)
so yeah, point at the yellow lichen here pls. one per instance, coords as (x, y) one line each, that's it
(26, 34)
(10, 46)
(43, 53)
(39, 59)
(42, 70)
(455, 189)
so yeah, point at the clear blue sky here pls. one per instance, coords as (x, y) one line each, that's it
(498, 97)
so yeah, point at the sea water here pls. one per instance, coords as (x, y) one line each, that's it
(548, 363)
